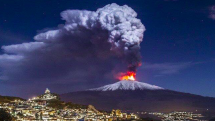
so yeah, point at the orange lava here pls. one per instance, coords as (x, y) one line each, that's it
(128, 76)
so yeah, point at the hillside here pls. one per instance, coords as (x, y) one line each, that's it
(5, 99)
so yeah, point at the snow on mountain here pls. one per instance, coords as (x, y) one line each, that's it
(127, 85)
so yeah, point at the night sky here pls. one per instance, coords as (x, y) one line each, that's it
(178, 48)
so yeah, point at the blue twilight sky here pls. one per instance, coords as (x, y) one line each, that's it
(178, 49)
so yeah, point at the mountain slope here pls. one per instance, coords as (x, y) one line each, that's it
(118, 96)
(127, 85)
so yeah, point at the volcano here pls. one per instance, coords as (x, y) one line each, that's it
(127, 85)
(138, 96)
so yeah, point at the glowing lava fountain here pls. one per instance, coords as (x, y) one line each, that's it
(130, 76)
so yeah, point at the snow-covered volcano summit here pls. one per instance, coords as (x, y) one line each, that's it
(127, 85)
(137, 96)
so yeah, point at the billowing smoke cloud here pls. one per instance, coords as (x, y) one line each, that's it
(89, 46)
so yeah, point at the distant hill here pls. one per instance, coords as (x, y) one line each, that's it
(6, 99)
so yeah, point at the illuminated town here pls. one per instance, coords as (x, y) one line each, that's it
(45, 108)
(48, 107)
(178, 116)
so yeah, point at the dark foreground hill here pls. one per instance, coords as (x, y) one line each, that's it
(6, 99)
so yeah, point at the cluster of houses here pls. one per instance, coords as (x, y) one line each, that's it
(179, 116)
(37, 109)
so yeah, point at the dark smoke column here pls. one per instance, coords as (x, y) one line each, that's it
(114, 24)
(106, 41)
(125, 33)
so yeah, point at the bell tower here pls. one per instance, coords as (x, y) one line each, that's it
(47, 91)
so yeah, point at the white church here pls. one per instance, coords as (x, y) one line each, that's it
(47, 96)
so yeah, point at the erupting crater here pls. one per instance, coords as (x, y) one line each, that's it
(129, 76)
(127, 81)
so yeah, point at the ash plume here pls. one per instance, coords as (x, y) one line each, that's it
(88, 47)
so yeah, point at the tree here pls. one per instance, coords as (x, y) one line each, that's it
(36, 116)
(20, 115)
(41, 116)
(57, 104)
(4, 115)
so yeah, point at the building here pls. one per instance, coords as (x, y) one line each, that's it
(47, 96)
